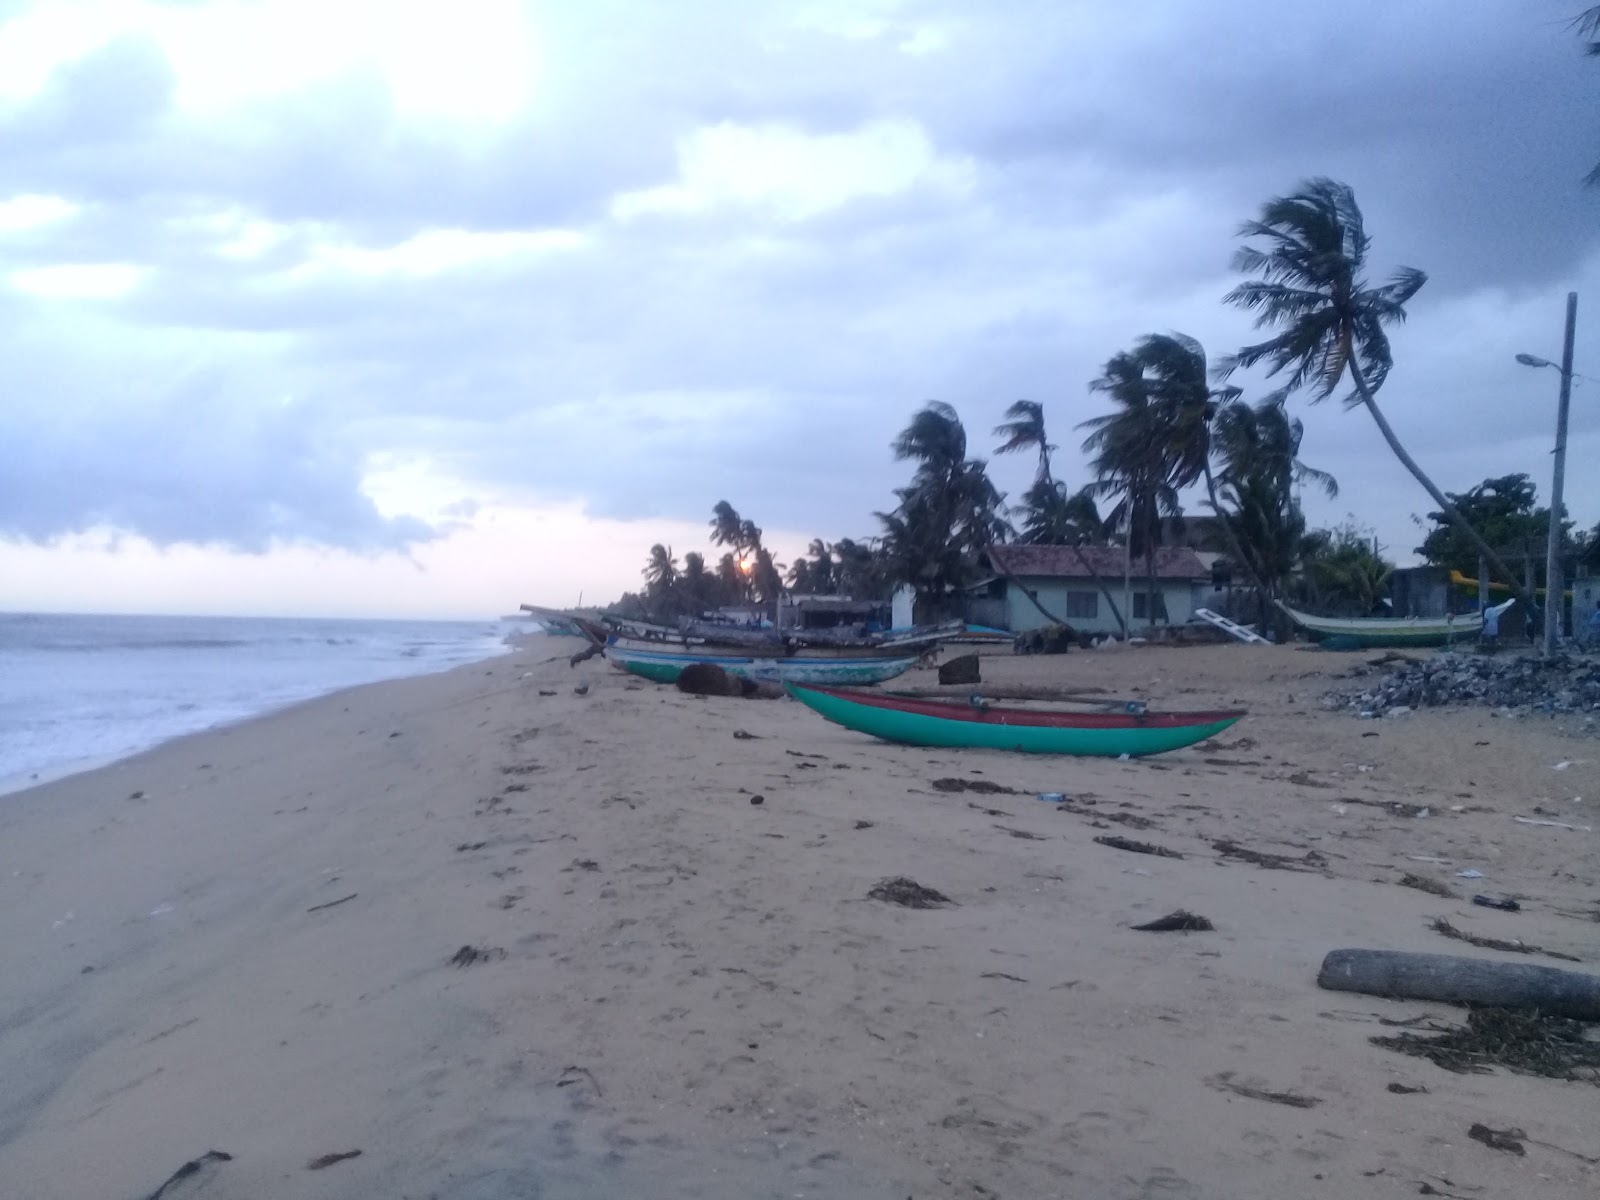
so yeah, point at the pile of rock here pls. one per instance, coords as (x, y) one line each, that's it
(1520, 683)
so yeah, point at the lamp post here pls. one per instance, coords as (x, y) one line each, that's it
(1554, 592)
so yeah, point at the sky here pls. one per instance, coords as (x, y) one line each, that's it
(398, 308)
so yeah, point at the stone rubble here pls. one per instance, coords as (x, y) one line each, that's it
(1515, 684)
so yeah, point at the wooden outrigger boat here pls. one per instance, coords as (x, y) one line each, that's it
(660, 653)
(975, 723)
(1371, 632)
(768, 656)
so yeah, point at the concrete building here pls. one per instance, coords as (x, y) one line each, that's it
(1063, 578)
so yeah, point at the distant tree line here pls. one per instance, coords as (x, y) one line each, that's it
(1175, 421)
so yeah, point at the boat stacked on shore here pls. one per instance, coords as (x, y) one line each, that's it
(817, 656)
(838, 657)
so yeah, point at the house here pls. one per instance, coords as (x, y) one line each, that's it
(1063, 579)
(830, 612)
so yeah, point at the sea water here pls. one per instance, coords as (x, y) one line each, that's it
(77, 691)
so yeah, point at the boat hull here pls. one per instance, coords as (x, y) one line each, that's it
(1376, 632)
(665, 666)
(1088, 735)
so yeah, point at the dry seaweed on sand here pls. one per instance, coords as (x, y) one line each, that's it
(1440, 925)
(1273, 862)
(1225, 1082)
(1498, 1139)
(1423, 884)
(468, 955)
(327, 1160)
(981, 786)
(908, 893)
(1122, 843)
(1528, 1043)
(1182, 921)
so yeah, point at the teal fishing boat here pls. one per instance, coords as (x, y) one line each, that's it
(978, 724)
(1373, 632)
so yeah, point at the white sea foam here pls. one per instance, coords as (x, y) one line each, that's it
(76, 691)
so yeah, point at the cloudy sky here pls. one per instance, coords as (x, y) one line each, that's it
(396, 307)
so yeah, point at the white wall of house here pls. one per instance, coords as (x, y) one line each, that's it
(1080, 602)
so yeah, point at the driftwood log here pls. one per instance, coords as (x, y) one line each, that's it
(1452, 979)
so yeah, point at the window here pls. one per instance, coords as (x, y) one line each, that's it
(1083, 605)
(1141, 606)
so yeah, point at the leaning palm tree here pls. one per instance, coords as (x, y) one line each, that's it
(1025, 431)
(1134, 461)
(1175, 373)
(1310, 286)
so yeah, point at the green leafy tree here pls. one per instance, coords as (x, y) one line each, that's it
(1341, 573)
(1504, 510)
(1310, 286)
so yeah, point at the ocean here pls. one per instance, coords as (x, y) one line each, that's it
(79, 691)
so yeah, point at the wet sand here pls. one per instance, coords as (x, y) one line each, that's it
(247, 941)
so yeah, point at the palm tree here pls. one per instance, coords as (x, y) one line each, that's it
(1309, 285)
(1134, 460)
(1025, 431)
(726, 525)
(660, 572)
(695, 582)
(949, 513)
(1258, 451)
(730, 580)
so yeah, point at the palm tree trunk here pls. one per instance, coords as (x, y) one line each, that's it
(1450, 510)
(1233, 538)
(1150, 520)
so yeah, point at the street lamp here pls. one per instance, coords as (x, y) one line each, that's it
(1554, 592)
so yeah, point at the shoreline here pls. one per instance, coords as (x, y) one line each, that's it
(680, 993)
(12, 786)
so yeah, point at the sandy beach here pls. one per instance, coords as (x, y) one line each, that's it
(506, 940)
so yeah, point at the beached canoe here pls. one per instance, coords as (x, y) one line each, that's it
(961, 723)
(664, 665)
(1365, 632)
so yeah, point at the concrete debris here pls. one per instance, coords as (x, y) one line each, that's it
(1512, 685)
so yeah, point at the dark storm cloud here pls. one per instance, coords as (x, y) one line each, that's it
(1094, 169)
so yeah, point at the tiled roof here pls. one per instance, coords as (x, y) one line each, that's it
(1067, 562)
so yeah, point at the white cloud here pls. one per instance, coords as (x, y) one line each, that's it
(30, 211)
(79, 281)
(795, 174)
(438, 250)
(469, 61)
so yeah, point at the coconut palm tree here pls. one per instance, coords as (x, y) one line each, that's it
(726, 525)
(948, 514)
(695, 583)
(1310, 286)
(660, 572)
(1133, 458)
(1175, 373)
(1025, 431)
(1258, 452)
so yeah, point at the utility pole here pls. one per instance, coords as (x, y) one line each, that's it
(1554, 594)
